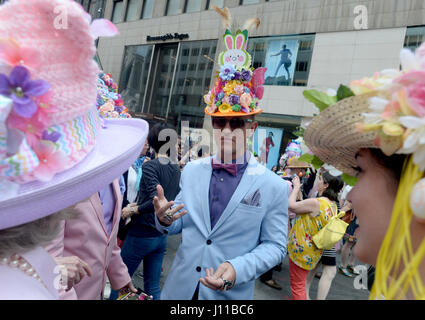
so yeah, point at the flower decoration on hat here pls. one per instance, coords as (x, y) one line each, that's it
(109, 102)
(27, 120)
(238, 87)
(44, 127)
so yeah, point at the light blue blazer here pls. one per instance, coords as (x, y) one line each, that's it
(251, 238)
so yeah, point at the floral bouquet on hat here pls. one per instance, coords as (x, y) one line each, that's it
(238, 87)
(109, 101)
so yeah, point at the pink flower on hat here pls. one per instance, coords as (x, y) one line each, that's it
(14, 55)
(414, 91)
(52, 161)
(245, 100)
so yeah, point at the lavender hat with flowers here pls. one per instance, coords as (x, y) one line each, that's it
(53, 150)
(238, 87)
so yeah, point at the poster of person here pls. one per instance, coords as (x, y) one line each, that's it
(280, 62)
(266, 144)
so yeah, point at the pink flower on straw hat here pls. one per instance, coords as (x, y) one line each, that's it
(414, 91)
(52, 161)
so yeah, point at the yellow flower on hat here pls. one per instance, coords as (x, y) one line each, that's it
(230, 86)
(225, 108)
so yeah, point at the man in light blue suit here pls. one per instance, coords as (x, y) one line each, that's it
(233, 216)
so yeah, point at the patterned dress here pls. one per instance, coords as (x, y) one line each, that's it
(301, 248)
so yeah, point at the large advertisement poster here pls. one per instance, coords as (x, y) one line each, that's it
(266, 144)
(280, 62)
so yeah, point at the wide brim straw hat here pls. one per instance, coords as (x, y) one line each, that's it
(333, 137)
(97, 151)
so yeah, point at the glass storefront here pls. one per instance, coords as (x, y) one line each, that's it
(168, 81)
(287, 58)
(134, 76)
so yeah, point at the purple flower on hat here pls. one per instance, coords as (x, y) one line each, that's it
(244, 109)
(118, 109)
(227, 72)
(237, 75)
(54, 136)
(21, 90)
(234, 99)
(246, 75)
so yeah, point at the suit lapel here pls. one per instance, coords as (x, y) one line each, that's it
(117, 210)
(97, 205)
(246, 183)
(205, 189)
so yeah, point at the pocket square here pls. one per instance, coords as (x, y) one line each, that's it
(253, 200)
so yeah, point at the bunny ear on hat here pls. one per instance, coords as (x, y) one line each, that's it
(54, 150)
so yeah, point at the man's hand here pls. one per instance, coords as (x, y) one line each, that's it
(126, 289)
(162, 208)
(215, 281)
(129, 210)
(74, 270)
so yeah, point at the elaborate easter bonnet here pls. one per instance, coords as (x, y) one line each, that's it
(109, 102)
(238, 87)
(386, 111)
(53, 150)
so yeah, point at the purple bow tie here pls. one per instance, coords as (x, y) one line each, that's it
(232, 168)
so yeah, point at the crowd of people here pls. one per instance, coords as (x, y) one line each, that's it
(88, 193)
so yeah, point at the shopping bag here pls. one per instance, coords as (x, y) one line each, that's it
(331, 233)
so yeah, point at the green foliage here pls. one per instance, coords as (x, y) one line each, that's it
(344, 92)
(350, 180)
(320, 99)
(299, 132)
(310, 158)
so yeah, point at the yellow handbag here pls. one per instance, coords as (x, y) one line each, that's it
(331, 233)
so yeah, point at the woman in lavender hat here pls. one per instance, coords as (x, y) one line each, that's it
(54, 150)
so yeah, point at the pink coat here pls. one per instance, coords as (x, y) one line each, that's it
(87, 238)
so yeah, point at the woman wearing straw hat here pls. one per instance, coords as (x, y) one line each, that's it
(375, 131)
(54, 151)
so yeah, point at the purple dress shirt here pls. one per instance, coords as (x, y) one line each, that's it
(222, 186)
(107, 199)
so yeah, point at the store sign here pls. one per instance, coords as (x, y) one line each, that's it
(169, 36)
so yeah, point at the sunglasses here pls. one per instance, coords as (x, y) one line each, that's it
(234, 123)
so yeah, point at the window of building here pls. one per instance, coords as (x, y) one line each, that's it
(187, 102)
(218, 3)
(185, 52)
(193, 6)
(205, 51)
(173, 7)
(131, 13)
(414, 37)
(243, 2)
(147, 10)
(287, 58)
(134, 76)
(195, 52)
(117, 12)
